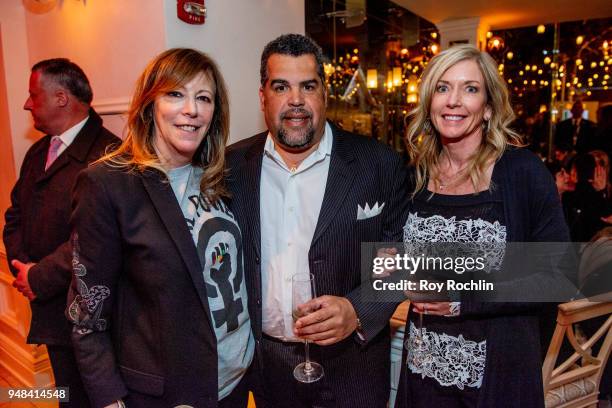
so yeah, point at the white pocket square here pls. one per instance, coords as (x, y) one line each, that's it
(367, 212)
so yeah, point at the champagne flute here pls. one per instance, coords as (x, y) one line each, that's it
(417, 349)
(419, 338)
(303, 290)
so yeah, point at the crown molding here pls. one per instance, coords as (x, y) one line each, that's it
(111, 106)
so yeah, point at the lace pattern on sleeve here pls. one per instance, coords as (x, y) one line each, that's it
(86, 308)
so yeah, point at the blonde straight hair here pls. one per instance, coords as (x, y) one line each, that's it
(166, 72)
(423, 140)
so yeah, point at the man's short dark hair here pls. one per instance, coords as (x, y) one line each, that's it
(585, 167)
(68, 75)
(294, 45)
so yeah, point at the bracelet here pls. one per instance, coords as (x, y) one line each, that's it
(359, 331)
(455, 309)
(121, 404)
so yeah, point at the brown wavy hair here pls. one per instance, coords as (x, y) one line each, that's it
(423, 140)
(168, 71)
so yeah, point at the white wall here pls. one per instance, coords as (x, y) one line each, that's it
(110, 39)
(17, 72)
(234, 34)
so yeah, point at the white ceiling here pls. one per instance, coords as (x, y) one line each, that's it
(501, 14)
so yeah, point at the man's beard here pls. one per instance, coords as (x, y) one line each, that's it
(303, 140)
(304, 137)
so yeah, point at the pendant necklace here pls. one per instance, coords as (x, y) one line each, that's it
(442, 185)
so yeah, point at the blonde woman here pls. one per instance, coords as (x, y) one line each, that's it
(473, 183)
(159, 301)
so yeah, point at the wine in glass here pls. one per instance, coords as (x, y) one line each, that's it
(303, 290)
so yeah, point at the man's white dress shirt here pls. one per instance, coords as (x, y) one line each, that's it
(69, 135)
(290, 202)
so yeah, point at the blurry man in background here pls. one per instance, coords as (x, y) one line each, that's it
(577, 132)
(36, 233)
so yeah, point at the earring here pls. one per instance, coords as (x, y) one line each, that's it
(486, 124)
(427, 127)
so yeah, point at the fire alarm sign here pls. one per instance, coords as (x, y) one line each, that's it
(191, 12)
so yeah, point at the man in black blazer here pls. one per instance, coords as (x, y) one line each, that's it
(36, 233)
(306, 194)
(577, 132)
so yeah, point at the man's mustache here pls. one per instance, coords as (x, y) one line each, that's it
(296, 112)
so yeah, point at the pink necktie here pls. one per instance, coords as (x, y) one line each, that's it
(56, 143)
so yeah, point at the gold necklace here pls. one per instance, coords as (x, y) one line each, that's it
(291, 166)
(450, 182)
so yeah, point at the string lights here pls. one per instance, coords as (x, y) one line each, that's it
(580, 70)
(374, 89)
(400, 78)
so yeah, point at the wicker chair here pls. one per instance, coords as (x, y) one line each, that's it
(575, 382)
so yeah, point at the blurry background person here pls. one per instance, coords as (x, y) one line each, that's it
(577, 132)
(158, 299)
(588, 206)
(36, 233)
(604, 129)
(601, 175)
(602, 183)
(538, 133)
(595, 274)
(562, 178)
(564, 154)
(472, 184)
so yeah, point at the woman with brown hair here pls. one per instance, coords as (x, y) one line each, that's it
(158, 298)
(473, 184)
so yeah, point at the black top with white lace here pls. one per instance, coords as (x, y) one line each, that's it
(453, 348)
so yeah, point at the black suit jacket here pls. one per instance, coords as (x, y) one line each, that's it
(138, 300)
(586, 140)
(37, 228)
(361, 171)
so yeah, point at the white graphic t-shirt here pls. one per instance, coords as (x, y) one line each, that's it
(219, 244)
